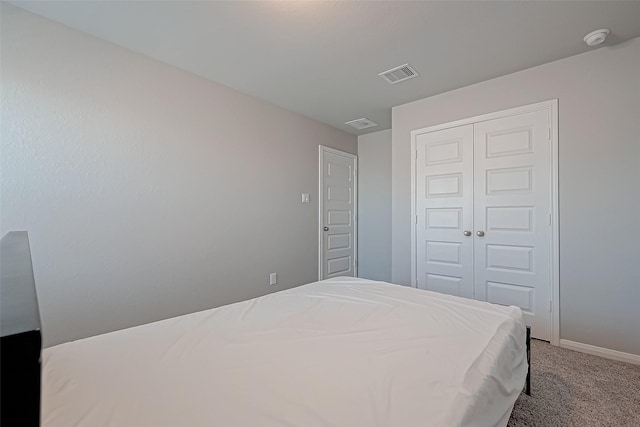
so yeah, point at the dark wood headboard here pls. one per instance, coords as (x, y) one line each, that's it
(21, 341)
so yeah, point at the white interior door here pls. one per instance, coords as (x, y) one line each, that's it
(483, 205)
(512, 216)
(338, 214)
(444, 211)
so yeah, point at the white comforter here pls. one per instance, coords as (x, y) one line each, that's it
(342, 352)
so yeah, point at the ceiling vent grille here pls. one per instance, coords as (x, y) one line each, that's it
(361, 123)
(399, 74)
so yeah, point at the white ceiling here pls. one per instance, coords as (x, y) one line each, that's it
(322, 59)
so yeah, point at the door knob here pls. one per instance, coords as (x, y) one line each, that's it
(467, 233)
(480, 233)
(326, 228)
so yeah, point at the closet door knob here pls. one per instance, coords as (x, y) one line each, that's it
(467, 233)
(326, 228)
(480, 233)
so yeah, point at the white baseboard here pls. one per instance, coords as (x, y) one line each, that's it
(600, 351)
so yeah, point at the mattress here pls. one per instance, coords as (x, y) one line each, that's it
(341, 352)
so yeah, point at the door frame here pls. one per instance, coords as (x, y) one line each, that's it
(321, 150)
(552, 107)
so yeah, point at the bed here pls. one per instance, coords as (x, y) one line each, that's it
(339, 352)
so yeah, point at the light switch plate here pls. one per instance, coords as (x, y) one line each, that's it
(305, 197)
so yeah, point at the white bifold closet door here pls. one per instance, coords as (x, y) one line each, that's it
(483, 199)
(444, 204)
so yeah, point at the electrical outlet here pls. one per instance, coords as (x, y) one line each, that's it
(273, 278)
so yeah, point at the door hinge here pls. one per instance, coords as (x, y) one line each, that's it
(416, 219)
(416, 154)
(549, 134)
(549, 219)
(550, 306)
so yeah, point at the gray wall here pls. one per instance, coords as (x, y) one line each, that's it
(599, 166)
(147, 192)
(374, 205)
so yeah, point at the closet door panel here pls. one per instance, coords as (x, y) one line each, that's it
(444, 202)
(511, 215)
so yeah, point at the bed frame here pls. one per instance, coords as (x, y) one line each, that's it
(21, 342)
(527, 387)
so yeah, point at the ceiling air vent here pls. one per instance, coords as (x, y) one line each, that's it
(399, 74)
(361, 123)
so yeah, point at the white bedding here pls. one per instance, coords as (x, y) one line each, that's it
(343, 352)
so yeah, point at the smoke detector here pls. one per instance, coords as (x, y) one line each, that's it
(399, 74)
(596, 37)
(362, 123)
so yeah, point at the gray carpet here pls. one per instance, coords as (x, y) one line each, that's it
(569, 388)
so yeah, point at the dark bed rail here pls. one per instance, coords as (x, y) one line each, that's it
(21, 341)
(527, 388)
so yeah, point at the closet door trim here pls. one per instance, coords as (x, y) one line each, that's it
(551, 107)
